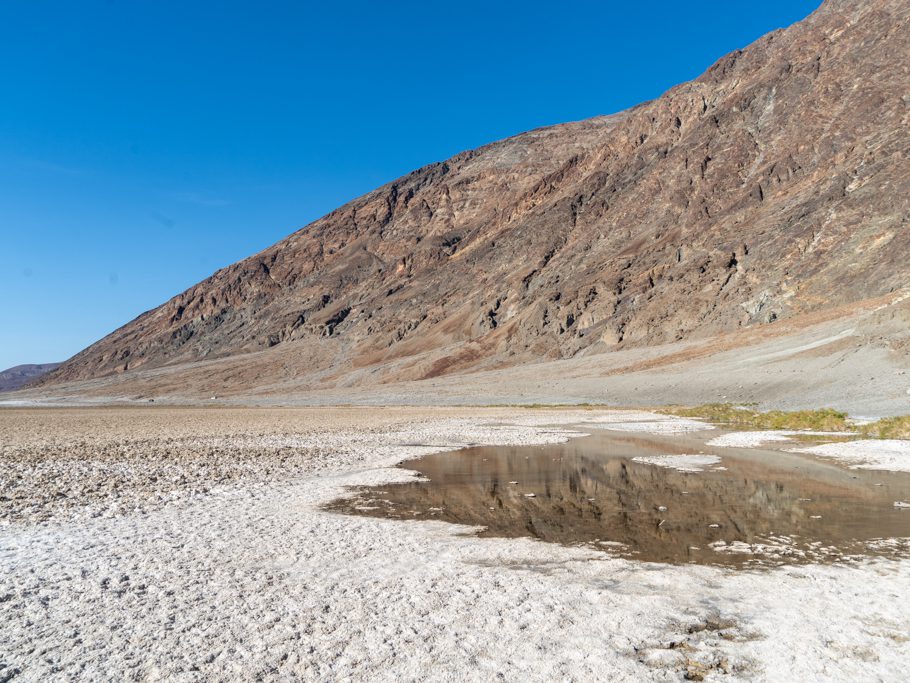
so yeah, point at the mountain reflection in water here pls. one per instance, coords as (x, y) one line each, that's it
(761, 507)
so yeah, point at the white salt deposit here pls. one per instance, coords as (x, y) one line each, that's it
(683, 463)
(617, 420)
(757, 439)
(872, 454)
(748, 439)
(676, 425)
(256, 581)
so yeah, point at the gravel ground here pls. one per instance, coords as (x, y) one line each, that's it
(210, 559)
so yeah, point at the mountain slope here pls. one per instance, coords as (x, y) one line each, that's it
(18, 376)
(776, 184)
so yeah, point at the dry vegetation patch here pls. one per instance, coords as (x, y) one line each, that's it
(888, 428)
(820, 420)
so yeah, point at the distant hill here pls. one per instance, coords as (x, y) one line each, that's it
(14, 378)
(773, 187)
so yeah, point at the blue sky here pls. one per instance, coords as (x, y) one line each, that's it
(144, 145)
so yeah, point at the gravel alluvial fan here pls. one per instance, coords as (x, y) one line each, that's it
(775, 185)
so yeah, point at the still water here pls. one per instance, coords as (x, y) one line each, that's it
(743, 507)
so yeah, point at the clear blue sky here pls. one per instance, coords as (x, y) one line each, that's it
(143, 145)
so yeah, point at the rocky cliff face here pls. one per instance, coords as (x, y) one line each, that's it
(776, 184)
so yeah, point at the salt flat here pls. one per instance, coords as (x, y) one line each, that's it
(212, 559)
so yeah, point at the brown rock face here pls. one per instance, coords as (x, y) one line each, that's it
(776, 184)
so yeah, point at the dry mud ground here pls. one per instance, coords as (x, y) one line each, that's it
(188, 544)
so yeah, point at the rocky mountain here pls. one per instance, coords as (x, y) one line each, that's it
(774, 186)
(20, 375)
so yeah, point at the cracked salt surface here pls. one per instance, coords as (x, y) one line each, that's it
(253, 581)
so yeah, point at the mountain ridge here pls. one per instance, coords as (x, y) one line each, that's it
(19, 376)
(757, 192)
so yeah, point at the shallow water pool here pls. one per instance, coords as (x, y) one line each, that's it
(633, 495)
